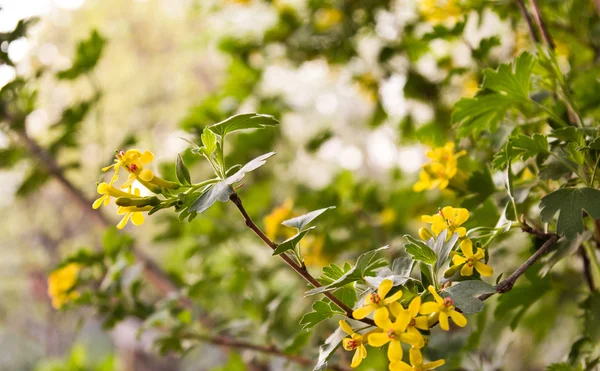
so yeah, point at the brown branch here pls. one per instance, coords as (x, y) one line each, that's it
(587, 273)
(537, 14)
(300, 269)
(272, 350)
(527, 17)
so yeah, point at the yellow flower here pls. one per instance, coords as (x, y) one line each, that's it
(471, 260)
(449, 218)
(276, 217)
(395, 334)
(134, 161)
(132, 212)
(437, 11)
(440, 170)
(443, 308)
(416, 322)
(313, 251)
(325, 18)
(377, 302)
(416, 363)
(470, 87)
(60, 283)
(107, 191)
(354, 342)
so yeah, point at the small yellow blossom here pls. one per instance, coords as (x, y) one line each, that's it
(134, 161)
(132, 212)
(354, 342)
(425, 234)
(276, 217)
(416, 322)
(60, 283)
(471, 260)
(437, 11)
(107, 191)
(313, 251)
(470, 87)
(440, 170)
(378, 302)
(395, 333)
(325, 18)
(416, 363)
(449, 218)
(443, 308)
(387, 216)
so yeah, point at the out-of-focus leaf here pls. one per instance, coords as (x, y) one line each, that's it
(88, 53)
(480, 187)
(463, 295)
(32, 182)
(326, 350)
(591, 318)
(321, 311)
(570, 202)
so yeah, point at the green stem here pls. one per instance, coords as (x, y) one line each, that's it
(594, 264)
(552, 114)
(594, 172)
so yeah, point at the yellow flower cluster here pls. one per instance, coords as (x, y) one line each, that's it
(60, 283)
(397, 325)
(438, 11)
(440, 170)
(452, 219)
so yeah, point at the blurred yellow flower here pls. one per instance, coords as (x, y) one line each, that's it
(60, 283)
(442, 167)
(325, 18)
(437, 11)
(471, 260)
(276, 217)
(470, 87)
(416, 363)
(387, 216)
(378, 302)
(354, 342)
(449, 218)
(312, 247)
(134, 161)
(443, 308)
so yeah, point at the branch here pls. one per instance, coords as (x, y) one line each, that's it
(527, 17)
(300, 269)
(537, 14)
(241, 344)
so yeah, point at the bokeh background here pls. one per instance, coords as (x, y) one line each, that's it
(362, 89)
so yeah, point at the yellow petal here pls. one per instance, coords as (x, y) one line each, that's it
(146, 175)
(412, 339)
(425, 234)
(102, 188)
(106, 168)
(416, 359)
(427, 218)
(416, 332)
(422, 323)
(395, 308)
(137, 218)
(346, 343)
(462, 231)
(361, 313)
(466, 270)
(429, 307)
(356, 359)
(402, 321)
(433, 365)
(381, 317)
(462, 215)
(458, 318)
(458, 260)
(444, 321)
(479, 255)
(436, 296)
(124, 221)
(346, 327)
(466, 246)
(384, 288)
(484, 269)
(414, 306)
(393, 298)
(99, 202)
(146, 157)
(395, 351)
(400, 366)
(378, 339)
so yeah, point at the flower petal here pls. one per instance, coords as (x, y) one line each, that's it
(412, 339)
(378, 339)
(479, 255)
(466, 246)
(422, 323)
(99, 202)
(382, 317)
(461, 216)
(146, 157)
(444, 321)
(395, 308)
(436, 296)
(416, 359)
(400, 366)
(395, 351)
(462, 231)
(393, 298)
(466, 270)
(429, 307)
(384, 288)
(458, 318)
(361, 313)
(434, 364)
(458, 260)
(414, 306)
(137, 218)
(146, 175)
(356, 359)
(124, 221)
(402, 321)
(484, 269)
(346, 327)
(346, 343)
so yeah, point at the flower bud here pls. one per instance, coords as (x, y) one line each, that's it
(425, 234)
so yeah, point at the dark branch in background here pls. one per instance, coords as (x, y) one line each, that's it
(587, 273)
(241, 344)
(541, 25)
(300, 269)
(507, 284)
(527, 17)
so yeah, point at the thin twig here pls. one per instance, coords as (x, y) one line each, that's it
(587, 272)
(537, 14)
(241, 344)
(301, 270)
(527, 17)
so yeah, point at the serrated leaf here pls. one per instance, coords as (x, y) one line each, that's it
(209, 141)
(250, 166)
(570, 202)
(463, 295)
(365, 264)
(291, 242)
(326, 350)
(244, 121)
(512, 79)
(526, 147)
(182, 172)
(320, 312)
(420, 251)
(302, 221)
(217, 192)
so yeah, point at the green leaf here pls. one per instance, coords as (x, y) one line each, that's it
(561, 367)
(365, 265)
(250, 166)
(244, 121)
(298, 342)
(442, 248)
(513, 79)
(419, 250)
(182, 172)
(463, 295)
(321, 311)
(403, 266)
(291, 242)
(209, 141)
(480, 187)
(88, 53)
(570, 202)
(526, 147)
(326, 350)
(302, 221)
(591, 318)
